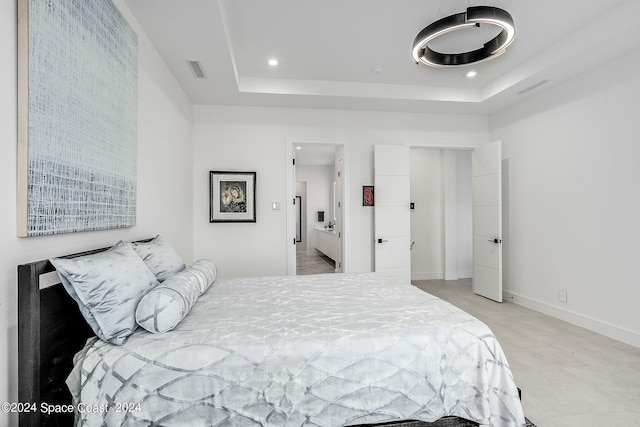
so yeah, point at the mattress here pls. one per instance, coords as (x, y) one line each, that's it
(320, 350)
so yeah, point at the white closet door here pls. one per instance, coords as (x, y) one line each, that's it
(392, 213)
(487, 220)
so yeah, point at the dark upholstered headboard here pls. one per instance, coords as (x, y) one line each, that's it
(51, 330)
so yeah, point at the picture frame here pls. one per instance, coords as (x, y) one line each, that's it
(368, 198)
(77, 118)
(232, 196)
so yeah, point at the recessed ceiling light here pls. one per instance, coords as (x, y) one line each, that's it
(298, 148)
(472, 73)
(273, 62)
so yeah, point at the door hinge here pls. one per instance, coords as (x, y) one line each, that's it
(294, 162)
(294, 240)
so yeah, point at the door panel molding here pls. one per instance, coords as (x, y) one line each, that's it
(487, 220)
(392, 220)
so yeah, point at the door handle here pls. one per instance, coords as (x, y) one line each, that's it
(495, 240)
(382, 240)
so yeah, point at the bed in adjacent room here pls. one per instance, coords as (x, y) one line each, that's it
(320, 350)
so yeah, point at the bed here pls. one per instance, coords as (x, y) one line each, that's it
(320, 350)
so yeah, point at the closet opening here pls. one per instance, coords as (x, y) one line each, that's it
(441, 218)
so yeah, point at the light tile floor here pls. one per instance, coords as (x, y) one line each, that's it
(312, 263)
(569, 376)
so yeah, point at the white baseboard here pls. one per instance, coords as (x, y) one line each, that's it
(607, 329)
(421, 275)
(465, 274)
(453, 275)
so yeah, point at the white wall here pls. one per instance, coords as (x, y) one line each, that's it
(427, 219)
(243, 138)
(572, 203)
(319, 181)
(164, 182)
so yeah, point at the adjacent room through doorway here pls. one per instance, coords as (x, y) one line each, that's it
(319, 219)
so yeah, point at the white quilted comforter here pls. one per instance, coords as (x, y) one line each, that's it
(325, 350)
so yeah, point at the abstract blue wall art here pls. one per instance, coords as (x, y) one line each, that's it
(77, 117)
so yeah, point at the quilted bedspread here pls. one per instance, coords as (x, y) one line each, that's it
(323, 350)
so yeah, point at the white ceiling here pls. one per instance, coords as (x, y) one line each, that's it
(315, 154)
(327, 50)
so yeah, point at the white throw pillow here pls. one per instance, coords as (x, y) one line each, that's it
(167, 304)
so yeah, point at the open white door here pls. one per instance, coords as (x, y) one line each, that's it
(392, 214)
(487, 220)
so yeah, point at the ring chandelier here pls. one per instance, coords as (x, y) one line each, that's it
(473, 16)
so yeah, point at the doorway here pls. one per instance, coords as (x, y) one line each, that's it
(308, 259)
(441, 220)
(316, 181)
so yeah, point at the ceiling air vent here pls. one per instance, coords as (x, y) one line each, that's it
(196, 69)
(533, 86)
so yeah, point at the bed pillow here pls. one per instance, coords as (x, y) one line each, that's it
(160, 257)
(168, 303)
(107, 287)
(206, 271)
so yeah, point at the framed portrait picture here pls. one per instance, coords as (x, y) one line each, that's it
(232, 196)
(367, 195)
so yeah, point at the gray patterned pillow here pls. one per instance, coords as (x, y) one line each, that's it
(207, 273)
(168, 303)
(107, 287)
(160, 257)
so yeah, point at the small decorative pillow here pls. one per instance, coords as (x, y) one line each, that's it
(160, 257)
(107, 287)
(168, 303)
